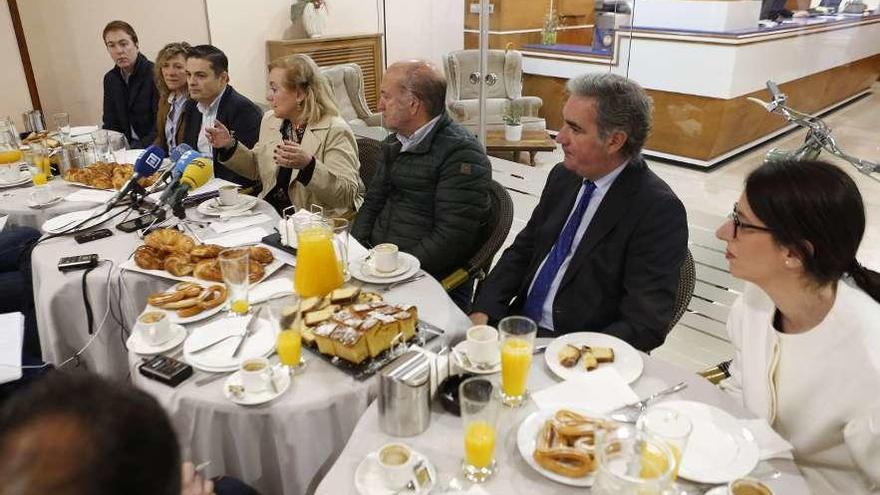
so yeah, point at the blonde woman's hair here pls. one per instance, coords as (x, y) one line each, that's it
(168, 52)
(301, 72)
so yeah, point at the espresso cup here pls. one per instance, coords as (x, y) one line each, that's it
(228, 195)
(154, 327)
(397, 462)
(482, 345)
(42, 194)
(748, 486)
(385, 258)
(255, 374)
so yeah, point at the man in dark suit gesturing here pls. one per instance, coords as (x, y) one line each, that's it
(603, 248)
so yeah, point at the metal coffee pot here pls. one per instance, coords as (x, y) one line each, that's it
(405, 395)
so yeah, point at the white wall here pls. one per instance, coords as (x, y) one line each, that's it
(14, 96)
(68, 54)
(241, 30)
(423, 29)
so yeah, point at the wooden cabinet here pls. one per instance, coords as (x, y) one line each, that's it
(364, 50)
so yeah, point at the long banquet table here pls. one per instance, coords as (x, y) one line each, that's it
(442, 442)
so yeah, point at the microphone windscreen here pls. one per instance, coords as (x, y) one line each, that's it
(149, 162)
(198, 173)
(185, 159)
(178, 151)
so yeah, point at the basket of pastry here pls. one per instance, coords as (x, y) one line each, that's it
(356, 330)
(186, 301)
(561, 444)
(106, 176)
(171, 253)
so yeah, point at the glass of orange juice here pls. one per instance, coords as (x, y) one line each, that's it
(235, 267)
(669, 426)
(633, 461)
(479, 415)
(318, 269)
(517, 341)
(284, 311)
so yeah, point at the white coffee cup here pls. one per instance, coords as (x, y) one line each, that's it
(385, 257)
(397, 461)
(228, 195)
(255, 374)
(748, 486)
(482, 345)
(154, 327)
(42, 194)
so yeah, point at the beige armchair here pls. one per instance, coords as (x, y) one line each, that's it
(462, 96)
(347, 82)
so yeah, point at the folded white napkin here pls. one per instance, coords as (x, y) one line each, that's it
(90, 195)
(240, 237)
(269, 288)
(229, 226)
(600, 391)
(11, 340)
(770, 443)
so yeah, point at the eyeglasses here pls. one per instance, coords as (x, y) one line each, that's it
(739, 224)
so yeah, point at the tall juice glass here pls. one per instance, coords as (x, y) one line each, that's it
(317, 267)
(517, 341)
(235, 267)
(479, 415)
(285, 315)
(633, 462)
(669, 426)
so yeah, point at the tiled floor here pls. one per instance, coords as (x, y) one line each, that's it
(708, 197)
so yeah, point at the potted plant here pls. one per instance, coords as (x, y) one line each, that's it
(512, 123)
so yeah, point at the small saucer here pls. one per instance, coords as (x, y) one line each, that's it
(368, 479)
(32, 204)
(138, 346)
(403, 265)
(461, 352)
(282, 381)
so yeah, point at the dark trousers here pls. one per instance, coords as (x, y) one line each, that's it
(463, 295)
(16, 289)
(225, 485)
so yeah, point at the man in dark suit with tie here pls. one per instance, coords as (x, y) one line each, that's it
(215, 100)
(603, 248)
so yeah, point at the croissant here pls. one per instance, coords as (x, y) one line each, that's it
(208, 270)
(169, 240)
(178, 265)
(261, 254)
(148, 258)
(205, 251)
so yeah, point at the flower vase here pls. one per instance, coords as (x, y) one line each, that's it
(313, 20)
(513, 133)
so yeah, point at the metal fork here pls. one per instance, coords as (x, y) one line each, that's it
(630, 413)
(403, 282)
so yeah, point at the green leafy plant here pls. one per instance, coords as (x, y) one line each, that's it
(512, 115)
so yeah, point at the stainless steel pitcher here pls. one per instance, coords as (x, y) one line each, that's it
(405, 395)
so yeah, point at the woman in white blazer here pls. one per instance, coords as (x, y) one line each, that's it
(306, 154)
(807, 327)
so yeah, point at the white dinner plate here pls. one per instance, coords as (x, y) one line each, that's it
(218, 358)
(137, 345)
(368, 478)
(68, 220)
(213, 208)
(527, 441)
(365, 275)
(281, 377)
(719, 449)
(461, 350)
(627, 359)
(24, 179)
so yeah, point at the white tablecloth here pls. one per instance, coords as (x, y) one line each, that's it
(442, 442)
(14, 202)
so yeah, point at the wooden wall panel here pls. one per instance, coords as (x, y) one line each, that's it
(705, 128)
(364, 50)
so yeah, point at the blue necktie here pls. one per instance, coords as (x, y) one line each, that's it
(534, 306)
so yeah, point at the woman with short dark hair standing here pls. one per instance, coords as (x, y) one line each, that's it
(807, 327)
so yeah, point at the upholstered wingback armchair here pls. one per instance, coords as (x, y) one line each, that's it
(347, 82)
(462, 96)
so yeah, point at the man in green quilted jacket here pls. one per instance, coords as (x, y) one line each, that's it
(430, 193)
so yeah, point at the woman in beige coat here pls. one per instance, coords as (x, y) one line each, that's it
(306, 154)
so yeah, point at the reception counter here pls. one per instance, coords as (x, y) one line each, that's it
(700, 79)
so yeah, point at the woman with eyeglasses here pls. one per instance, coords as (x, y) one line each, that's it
(807, 326)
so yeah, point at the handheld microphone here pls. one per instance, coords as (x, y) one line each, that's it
(179, 150)
(175, 173)
(176, 154)
(148, 163)
(196, 175)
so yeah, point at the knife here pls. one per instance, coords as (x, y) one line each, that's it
(248, 331)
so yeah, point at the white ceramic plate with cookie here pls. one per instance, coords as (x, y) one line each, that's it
(627, 360)
(527, 442)
(174, 304)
